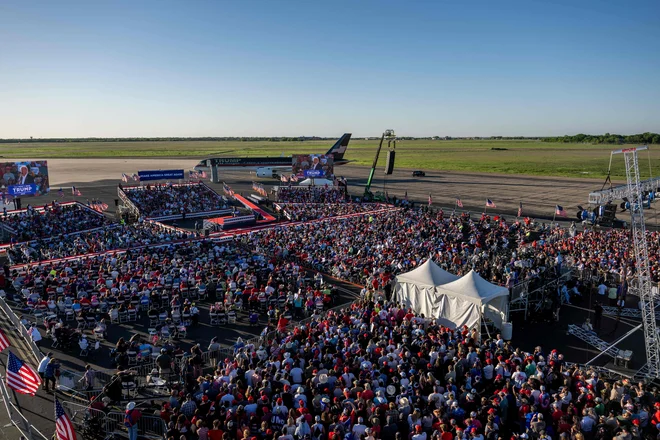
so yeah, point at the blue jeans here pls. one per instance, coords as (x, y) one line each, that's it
(133, 432)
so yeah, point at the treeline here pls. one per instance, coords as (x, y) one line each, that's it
(617, 139)
(607, 138)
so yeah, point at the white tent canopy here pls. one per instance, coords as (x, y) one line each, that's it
(418, 288)
(466, 300)
(316, 182)
(453, 301)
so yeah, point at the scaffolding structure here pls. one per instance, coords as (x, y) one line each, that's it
(634, 192)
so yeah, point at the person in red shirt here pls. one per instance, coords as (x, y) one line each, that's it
(215, 433)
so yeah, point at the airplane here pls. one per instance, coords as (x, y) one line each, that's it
(268, 166)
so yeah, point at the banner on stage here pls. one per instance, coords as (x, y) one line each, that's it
(160, 175)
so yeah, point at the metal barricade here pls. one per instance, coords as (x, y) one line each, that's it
(85, 419)
(17, 418)
(148, 425)
(36, 353)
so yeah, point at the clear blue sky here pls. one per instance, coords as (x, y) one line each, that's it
(285, 67)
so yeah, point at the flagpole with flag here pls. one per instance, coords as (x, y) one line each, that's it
(21, 377)
(489, 204)
(520, 210)
(559, 211)
(4, 341)
(63, 427)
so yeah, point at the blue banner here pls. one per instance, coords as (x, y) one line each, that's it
(160, 175)
(314, 173)
(22, 190)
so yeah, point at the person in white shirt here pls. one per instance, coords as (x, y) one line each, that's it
(41, 369)
(359, 428)
(419, 434)
(296, 375)
(36, 336)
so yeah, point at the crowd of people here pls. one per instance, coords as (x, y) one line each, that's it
(118, 236)
(377, 371)
(371, 248)
(371, 371)
(606, 253)
(52, 221)
(302, 212)
(162, 200)
(312, 194)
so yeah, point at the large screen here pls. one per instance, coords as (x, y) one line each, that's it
(24, 178)
(313, 165)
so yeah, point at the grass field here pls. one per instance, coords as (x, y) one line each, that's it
(512, 157)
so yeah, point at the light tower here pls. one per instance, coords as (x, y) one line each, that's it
(634, 192)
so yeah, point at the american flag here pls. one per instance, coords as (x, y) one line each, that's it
(75, 191)
(490, 204)
(4, 342)
(124, 177)
(203, 174)
(21, 377)
(430, 200)
(459, 203)
(60, 193)
(559, 210)
(136, 178)
(283, 178)
(63, 425)
(294, 178)
(520, 210)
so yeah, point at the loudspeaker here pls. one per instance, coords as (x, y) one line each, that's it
(389, 168)
(608, 215)
(116, 202)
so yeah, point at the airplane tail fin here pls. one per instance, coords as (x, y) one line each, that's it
(339, 148)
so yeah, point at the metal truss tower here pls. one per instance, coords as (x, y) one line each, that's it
(634, 191)
(643, 285)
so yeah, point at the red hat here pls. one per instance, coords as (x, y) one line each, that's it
(635, 422)
(418, 428)
(279, 400)
(492, 411)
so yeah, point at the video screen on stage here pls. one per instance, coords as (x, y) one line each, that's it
(24, 178)
(313, 165)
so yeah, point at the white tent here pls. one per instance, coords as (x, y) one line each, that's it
(418, 288)
(316, 182)
(469, 298)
